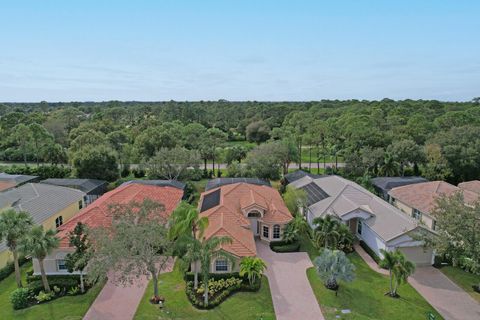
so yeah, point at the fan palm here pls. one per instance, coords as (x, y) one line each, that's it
(13, 226)
(208, 249)
(333, 265)
(326, 232)
(253, 268)
(38, 244)
(186, 220)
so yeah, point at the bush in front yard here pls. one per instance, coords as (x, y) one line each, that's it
(9, 268)
(20, 298)
(284, 246)
(370, 252)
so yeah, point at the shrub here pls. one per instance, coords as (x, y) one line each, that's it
(10, 268)
(43, 297)
(43, 172)
(138, 173)
(20, 298)
(370, 252)
(73, 291)
(63, 284)
(284, 246)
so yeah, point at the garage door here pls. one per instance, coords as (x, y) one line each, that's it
(418, 255)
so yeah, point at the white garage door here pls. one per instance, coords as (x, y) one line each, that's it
(418, 255)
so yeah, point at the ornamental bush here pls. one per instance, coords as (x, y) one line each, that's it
(20, 298)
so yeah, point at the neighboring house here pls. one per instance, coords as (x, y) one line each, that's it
(383, 185)
(219, 182)
(50, 206)
(473, 186)
(296, 175)
(243, 212)
(98, 215)
(10, 181)
(373, 220)
(92, 187)
(419, 200)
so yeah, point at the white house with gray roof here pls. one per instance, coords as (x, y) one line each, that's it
(373, 220)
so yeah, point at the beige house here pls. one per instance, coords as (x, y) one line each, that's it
(50, 206)
(419, 200)
(243, 211)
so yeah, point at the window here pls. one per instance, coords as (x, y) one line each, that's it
(61, 265)
(359, 227)
(266, 232)
(416, 214)
(221, 265)
(254, 214)
(58, 221)
(434, 224)
(276, 231)
(80, 204)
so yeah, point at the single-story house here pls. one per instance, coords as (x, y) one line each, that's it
(419, 200)
(243, 212)
(473, 186)
(93, 188)
(294, 176)
(379, 224)
(50, 206)
(383, 185)
(10, 181)
(98, 214)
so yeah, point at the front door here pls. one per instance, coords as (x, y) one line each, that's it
(254, 226)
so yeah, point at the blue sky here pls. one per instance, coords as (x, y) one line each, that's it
(239, 50)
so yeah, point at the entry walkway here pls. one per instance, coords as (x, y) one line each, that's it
(116, 302)
(292, 294)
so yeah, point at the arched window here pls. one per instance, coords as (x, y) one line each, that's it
(254, 214)
(276, 231)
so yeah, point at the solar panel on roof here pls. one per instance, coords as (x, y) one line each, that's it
(210, 200)
(314, 193)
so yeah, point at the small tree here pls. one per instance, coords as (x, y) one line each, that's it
(253, 268)
(333, 265)
(185, 220)
(39, 243)
(78, 260)
(13, 227)
(295, 200)
(258, 132)
(399, 269)
(172, 163)
(96, 162)
(326, 232)
(296, 228)
(134, 245)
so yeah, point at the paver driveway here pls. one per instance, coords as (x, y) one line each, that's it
(116, 302)
(292, 294)
(445, 296)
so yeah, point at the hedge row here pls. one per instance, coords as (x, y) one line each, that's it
(284, 246)
(10, 268)
(370, 252)
(43, 171)
(189, 276)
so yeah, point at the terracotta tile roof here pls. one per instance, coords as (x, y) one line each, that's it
(97, 214)
(473, 186)
(422, 196)
(227, 218)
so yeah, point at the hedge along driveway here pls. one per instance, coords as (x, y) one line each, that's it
(64, 308)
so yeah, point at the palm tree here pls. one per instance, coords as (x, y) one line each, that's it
(253, 268)
(390, 167)
(333, 265)
(208, 249)
(326, 232)
(191, 255)
(399, 268)
(13, 226)
(186, 220)
(38, 244)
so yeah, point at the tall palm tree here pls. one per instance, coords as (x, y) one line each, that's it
(253, 268)
(208, 249)
(186, 220)
(389, 167)
(399, 268)
(38, 244)
(192, 255)
(326, 232)
(13, 226)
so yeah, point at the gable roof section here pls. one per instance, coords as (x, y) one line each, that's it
(98, 215)
(473, 186)
(346, 196)
(422, 196)
(227, 218)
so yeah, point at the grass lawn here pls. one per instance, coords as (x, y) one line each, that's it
(463, 279)
(365, 297)
(67, 308)
(242, 305)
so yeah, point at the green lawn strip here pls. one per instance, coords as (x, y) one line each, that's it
(241, 305)
(365, 297)
(463, 279)
(65, 308)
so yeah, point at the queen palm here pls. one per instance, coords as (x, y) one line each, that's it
(186, 220)
(208, 249)
(192, 255)
(326, 232)
(13, 226)
(253, 268)
(39, 243)
(399, 268)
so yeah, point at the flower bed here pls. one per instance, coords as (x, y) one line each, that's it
(218, 291)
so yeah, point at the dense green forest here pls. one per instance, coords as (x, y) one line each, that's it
(439, 140)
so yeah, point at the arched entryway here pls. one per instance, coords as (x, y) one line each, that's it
(253, 216)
